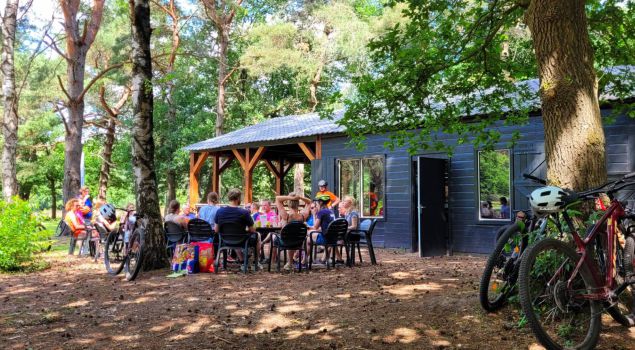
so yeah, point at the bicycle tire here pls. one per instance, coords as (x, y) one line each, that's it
(114, 253)
(498, 259)
(558, 294)
(629, 257)
(134, 257)
(621, 310)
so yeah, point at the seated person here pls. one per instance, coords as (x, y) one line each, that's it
(294, 214)
(208, 212)
(174, 216)
(106, 216)
(322, 220)
(75, 221)
(254, 210)
(187, 212)
(234, 214)
(267, 214)
(347, 211)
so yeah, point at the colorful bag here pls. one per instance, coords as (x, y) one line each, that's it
(192, 260)
(179, 259)
(205, 256)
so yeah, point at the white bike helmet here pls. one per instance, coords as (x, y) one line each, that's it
(546, 200)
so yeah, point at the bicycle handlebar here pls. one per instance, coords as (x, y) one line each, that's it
(614, 186)
(535, 179)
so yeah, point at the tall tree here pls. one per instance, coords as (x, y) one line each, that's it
(453, 59)
(109, 124)
(222, 14)
(10, 102)
(143, 142)
(79, 39)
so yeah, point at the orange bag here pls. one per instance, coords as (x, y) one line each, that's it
(205, 256)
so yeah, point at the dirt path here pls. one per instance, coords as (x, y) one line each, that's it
(403, 303)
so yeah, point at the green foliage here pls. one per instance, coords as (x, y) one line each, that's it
(20, 237)
(494, 176)
(452, 59)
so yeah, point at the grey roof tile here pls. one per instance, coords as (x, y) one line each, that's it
(281, 128)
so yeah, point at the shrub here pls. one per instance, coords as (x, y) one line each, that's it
(20, 235)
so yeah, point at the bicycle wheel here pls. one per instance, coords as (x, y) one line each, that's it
(134, 258)
(556, 311)
(621, 308)
(498, 281)
(114, 253)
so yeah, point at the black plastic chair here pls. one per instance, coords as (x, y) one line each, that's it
(363, 235)
(335, 232)
(291, 237)
(174, 235)
(199, 230)
(234, 236)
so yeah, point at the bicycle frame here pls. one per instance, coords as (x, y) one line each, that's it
(610, 217)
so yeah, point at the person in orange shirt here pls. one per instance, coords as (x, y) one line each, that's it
(75, 221)
(323, 191)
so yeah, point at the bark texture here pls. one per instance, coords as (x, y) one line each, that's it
(222, 15)
(78, 42)
(10, 102)
(147, 197)
(574, 137)
(110, 127)
(298, 179)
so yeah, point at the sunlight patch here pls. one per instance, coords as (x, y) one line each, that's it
(269, 322)
(402, 335)
(411, 289)
(125, 337)
(400, 275)
(78, 303)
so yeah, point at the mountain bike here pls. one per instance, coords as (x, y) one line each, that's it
(124, 253)
(498, 282)
(564, 291)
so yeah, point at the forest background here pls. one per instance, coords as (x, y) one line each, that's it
(277, 58)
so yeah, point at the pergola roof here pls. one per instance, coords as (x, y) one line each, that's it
(274, 129)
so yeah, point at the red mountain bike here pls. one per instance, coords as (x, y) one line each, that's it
(564, 291)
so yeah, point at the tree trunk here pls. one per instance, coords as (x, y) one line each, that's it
(569, 93)
(10, 125)
(53, 198)
(298, 179)
(223, 45)
(171, 173)
(78, 41)
(106, 155)
(143, 143)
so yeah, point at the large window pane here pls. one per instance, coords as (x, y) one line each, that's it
(350, 178)
(373, 190)
(494, 184)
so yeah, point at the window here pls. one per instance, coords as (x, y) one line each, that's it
(363, 179)
(494, 179)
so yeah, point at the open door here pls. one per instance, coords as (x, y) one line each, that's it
(432, 206)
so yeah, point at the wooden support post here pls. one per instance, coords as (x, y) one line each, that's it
(307, 151)
(196, 163)
(216, 173)
(318, 147)
(248, 163)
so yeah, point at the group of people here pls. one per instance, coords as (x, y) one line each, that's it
(487, 212)
(317, 214)
(84, 217)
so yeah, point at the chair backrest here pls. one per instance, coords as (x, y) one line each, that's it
(174, 232)
(293, 234)
(233, 234)
(199, 230)
(63, 229)
(336, 231)
(368, 226)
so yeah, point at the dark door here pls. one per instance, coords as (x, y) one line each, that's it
(432, 208)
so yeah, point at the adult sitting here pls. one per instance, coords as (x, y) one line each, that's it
(174, 216)
(74, 219)
(293, 215)
(322, 220)
(233, 214)
(187, 212)
(208, 212)
(86, 203)
(267, 214)
(254, 209)
(347, 211)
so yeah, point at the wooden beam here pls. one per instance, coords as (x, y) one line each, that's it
(241, 158)
(287, 167)
(256, 157)
(226, 163)
(307, 151)
(271, 167)
(193, 192)
(280, 177)
(216, 173)
(318, 147)
(199, 162)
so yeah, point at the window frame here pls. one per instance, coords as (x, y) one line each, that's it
(360, 205)
(510, 200)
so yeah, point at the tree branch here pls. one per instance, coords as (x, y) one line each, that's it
(97, 77)
(59, 80)
(92, 27)
(53, 44)
(56, 109)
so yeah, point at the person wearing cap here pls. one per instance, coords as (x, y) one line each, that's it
(323, 191)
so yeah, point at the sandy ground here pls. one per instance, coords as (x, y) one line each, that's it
(405, 302)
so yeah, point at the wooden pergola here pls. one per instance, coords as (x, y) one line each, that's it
(278, 156)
